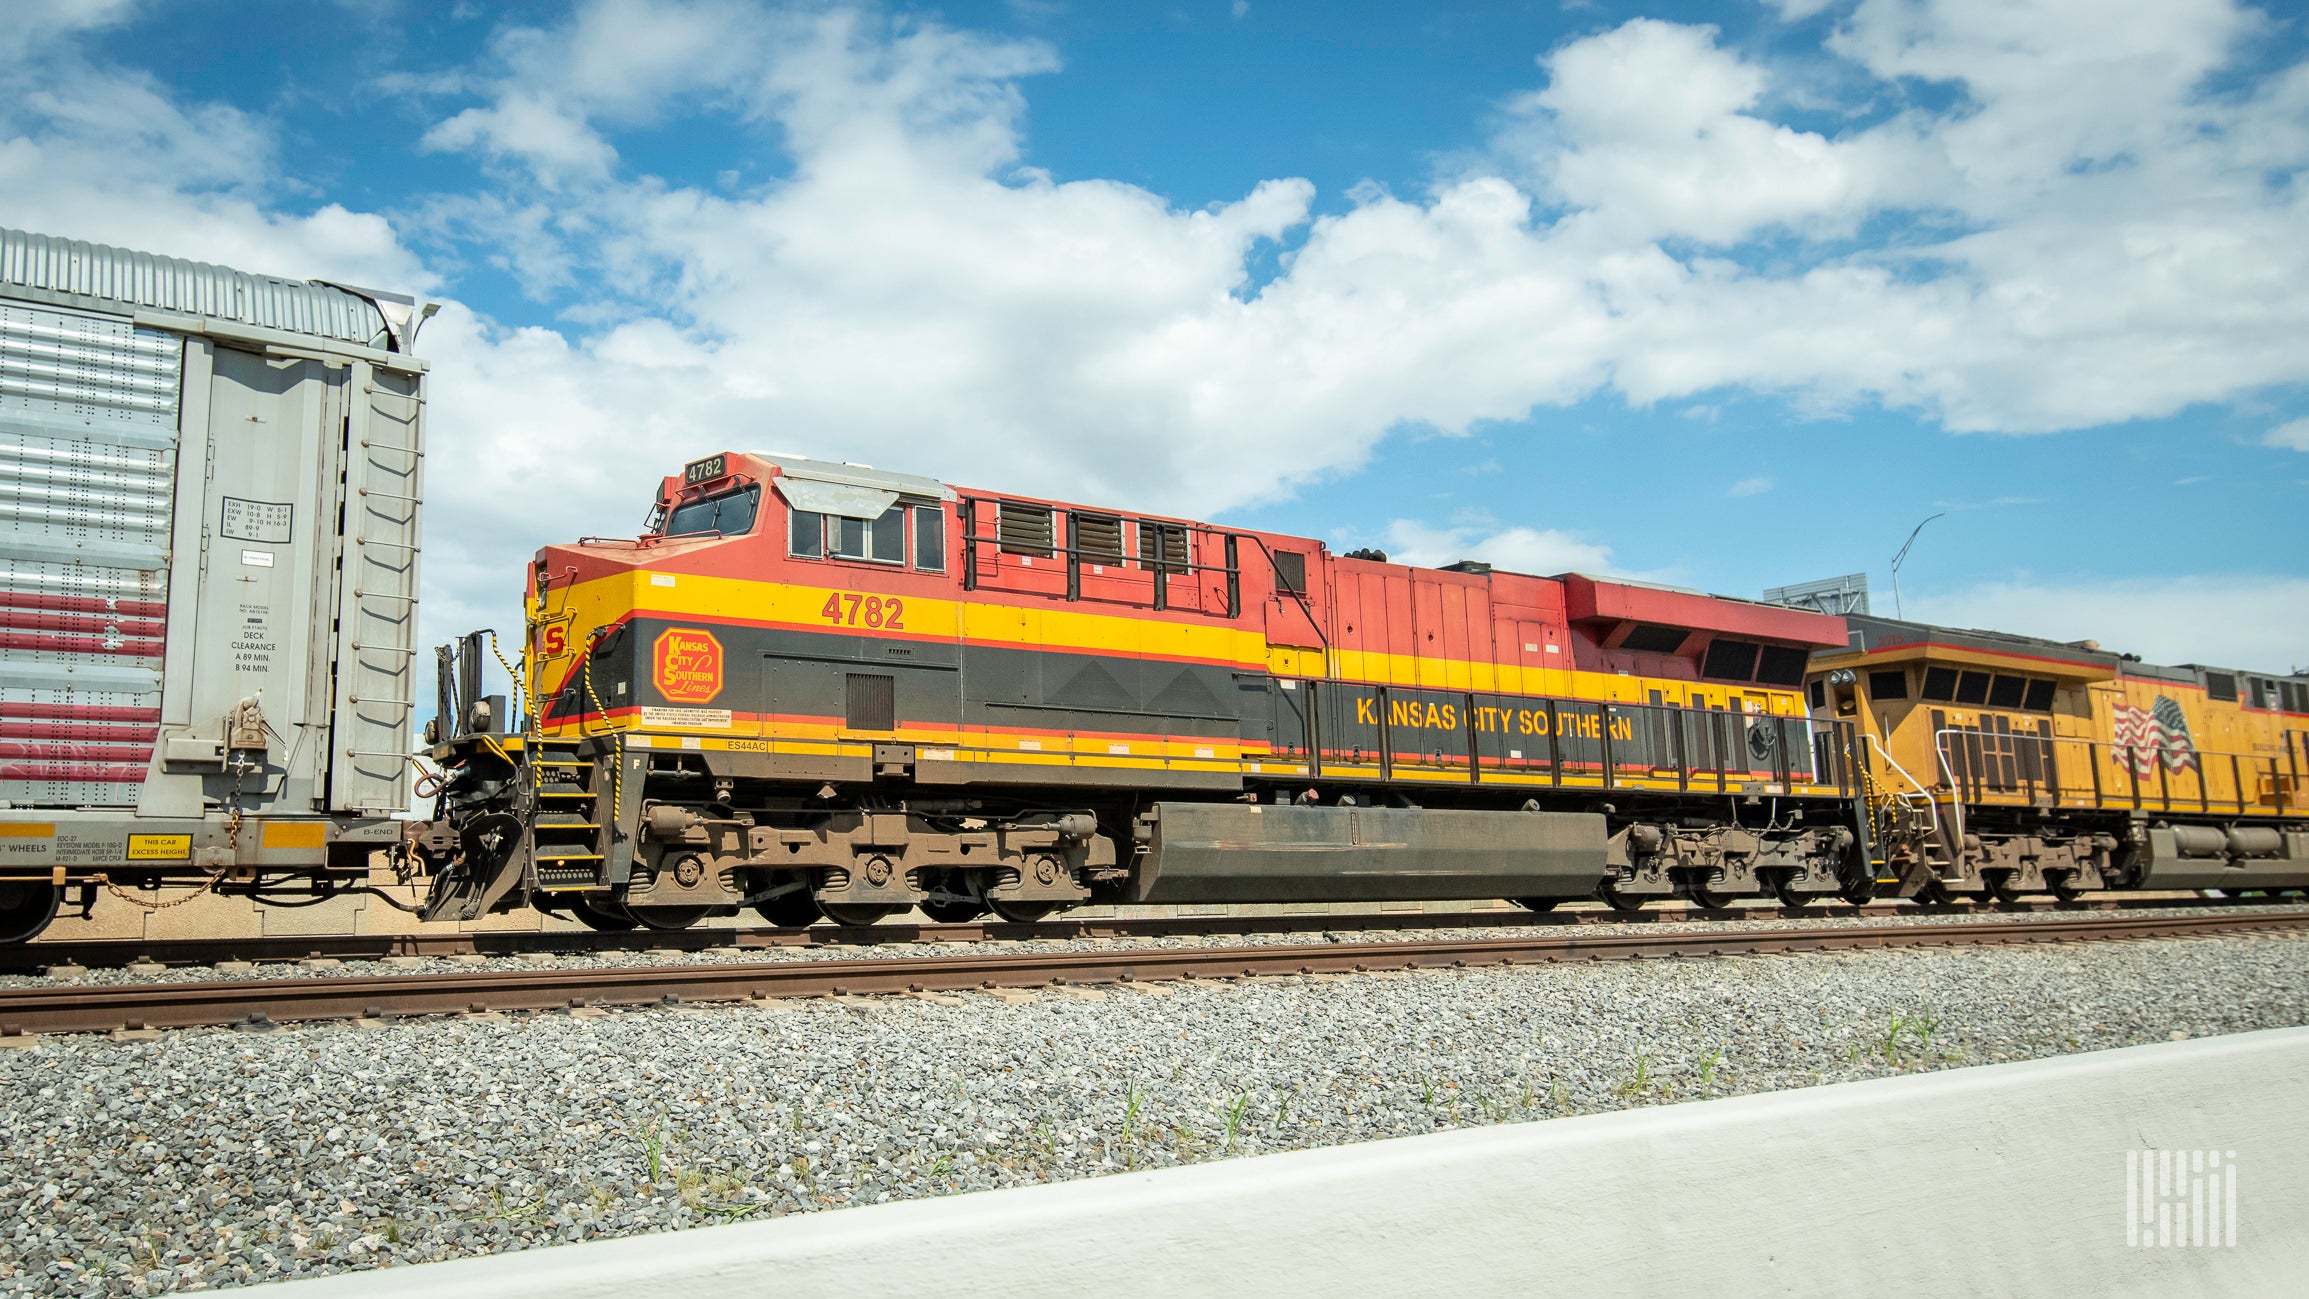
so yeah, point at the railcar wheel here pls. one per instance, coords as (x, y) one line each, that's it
(1783, 885)
(1022, 913)
(1705, 897)
(2064, 885)
(26, 907)
(608, 918)
(953, 913)
(1536, 904)
(1934, 894)
(793, 910)
(1627, 903)
(858, 917)
(1999, 886)
(1858, 891)
(668, 919)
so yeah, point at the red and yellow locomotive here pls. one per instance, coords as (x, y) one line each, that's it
(820, 688)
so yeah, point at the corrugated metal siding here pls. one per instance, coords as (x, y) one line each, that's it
(105, 278)
(88, 439)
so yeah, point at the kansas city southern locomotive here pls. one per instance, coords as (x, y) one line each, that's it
(818, 689)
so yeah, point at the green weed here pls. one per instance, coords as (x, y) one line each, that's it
(1707, 1071)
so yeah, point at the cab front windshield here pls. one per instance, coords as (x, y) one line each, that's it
(729, 514)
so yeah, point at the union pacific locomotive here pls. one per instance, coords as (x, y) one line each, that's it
(820, 689)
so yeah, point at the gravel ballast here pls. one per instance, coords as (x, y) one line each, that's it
(206, 1158)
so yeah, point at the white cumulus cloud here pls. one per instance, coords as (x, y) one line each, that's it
(2240, 620)
(1544, 551)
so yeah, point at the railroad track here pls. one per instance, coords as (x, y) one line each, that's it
(116, 952)
(260, 1003)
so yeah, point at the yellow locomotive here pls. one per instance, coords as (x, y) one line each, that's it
(2023, 765)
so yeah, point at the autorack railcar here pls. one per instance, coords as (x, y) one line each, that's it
(210, 498)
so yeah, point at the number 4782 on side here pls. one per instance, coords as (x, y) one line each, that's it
(848, 609)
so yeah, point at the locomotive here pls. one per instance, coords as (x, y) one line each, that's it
(820, 689)
(2036, 766)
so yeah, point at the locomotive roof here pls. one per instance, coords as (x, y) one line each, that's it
(1870, 632)
(121, 281)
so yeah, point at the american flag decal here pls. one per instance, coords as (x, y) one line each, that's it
(2143, 736)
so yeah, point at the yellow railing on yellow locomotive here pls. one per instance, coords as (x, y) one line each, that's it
(2016, 769)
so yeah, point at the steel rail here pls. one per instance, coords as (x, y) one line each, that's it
(257, 1002)
(114, 952)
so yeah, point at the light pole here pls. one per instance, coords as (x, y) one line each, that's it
(1897, 610)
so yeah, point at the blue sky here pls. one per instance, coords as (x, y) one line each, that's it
(1726, 295)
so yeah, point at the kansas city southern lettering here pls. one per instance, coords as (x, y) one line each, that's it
(1412, 715)
(688, 665)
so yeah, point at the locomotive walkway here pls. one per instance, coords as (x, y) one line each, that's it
(258, 1003)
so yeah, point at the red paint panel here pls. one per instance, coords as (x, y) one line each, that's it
(96, 624)
(83, 604)
(1458, 612)
(1426, 617)
(77, 712)
(74, 751)
(130, 647)
(95, 772)
(76, 731)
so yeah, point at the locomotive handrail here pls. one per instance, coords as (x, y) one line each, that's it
(1298, 595)
(1931, 804)
(1160, 567)
(2163, 799)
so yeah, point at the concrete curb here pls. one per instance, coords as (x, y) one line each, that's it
(2002, 1179)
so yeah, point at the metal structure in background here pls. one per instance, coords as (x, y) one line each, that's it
(1835, 595)
(210, 495)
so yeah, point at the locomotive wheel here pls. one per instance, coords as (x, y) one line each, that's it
(2064, 885)
(609, 918)
(953, 913)
(26, 907)
(1999, 886)
(1934, 894)
(790, 910)
(1858, 890)
(1022, 913)
(667, 919)
(1536, 904)
(857, 917)
(1783, 885)
(1629, 903)
(1706, 898)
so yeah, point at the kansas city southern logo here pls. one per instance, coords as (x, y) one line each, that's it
(688, 665)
